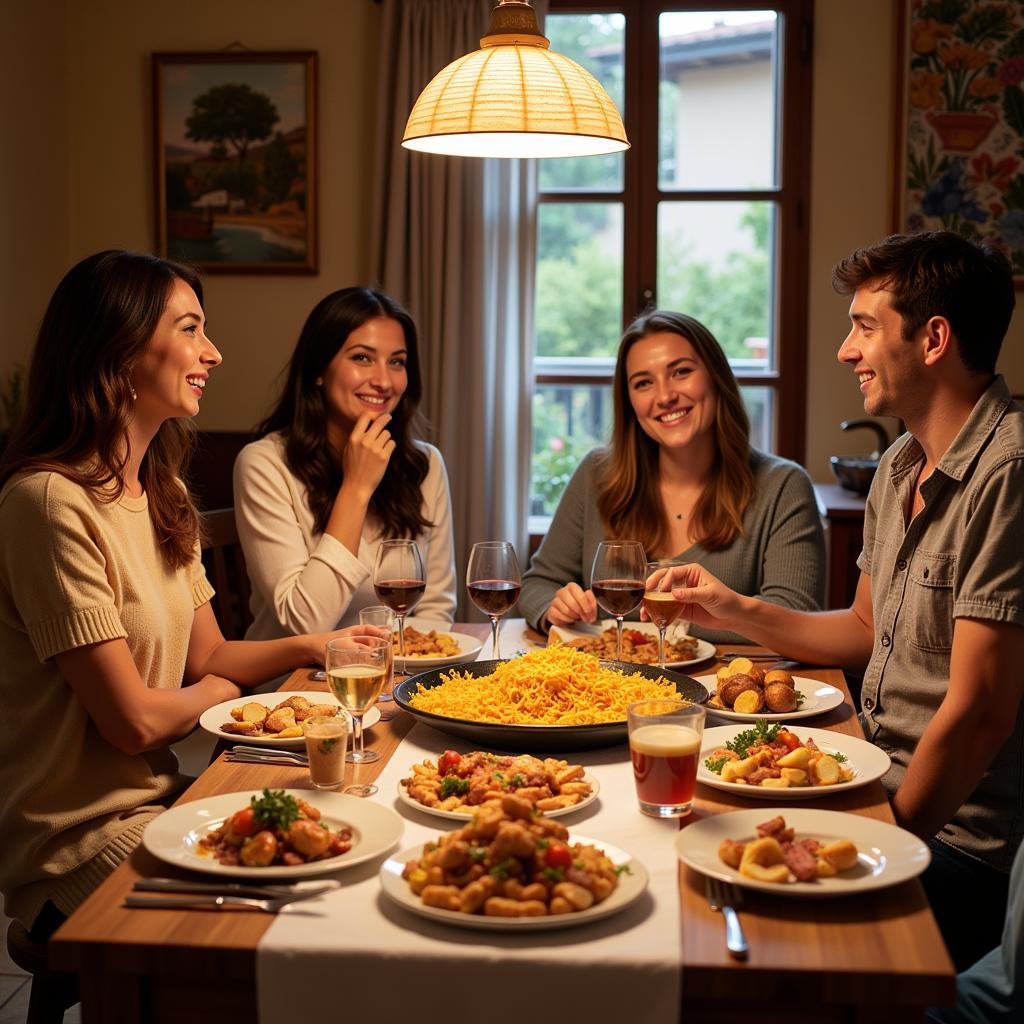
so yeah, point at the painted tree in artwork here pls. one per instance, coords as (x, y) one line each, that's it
(233, 114)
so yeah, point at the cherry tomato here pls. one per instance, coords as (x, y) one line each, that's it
(634, 636)
(243, 823)
(449, 762)
(791, 741)
(557, 855)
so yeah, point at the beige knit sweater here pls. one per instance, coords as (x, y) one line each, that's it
(75, 571)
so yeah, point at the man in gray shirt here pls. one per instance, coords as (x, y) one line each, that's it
(937, 623)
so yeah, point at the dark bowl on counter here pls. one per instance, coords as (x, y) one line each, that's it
(516, 739)
(854, 473)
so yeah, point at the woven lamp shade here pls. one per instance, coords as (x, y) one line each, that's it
(515, 99)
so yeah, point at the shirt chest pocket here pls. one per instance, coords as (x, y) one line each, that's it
(928, 606)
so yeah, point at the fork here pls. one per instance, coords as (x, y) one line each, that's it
(726, 898)
(269, 906)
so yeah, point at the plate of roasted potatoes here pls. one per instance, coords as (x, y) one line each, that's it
(743, 691)
(273, 719)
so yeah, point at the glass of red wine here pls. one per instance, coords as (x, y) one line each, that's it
(400, 581)
(617, 580)
(493, 581)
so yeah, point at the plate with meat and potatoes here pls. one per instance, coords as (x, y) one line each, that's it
(802, 852)
(273, 719)
(743, 692)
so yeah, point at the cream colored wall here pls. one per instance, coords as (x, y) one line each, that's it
(33, 169)
(106, 131)
(852, 174)
(81, 176)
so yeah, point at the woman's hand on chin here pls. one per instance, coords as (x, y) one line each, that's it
(572, 604)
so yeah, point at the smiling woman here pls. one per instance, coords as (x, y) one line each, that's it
(337, 470)
(680, 476)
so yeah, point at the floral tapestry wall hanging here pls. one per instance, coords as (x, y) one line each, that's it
(962, 165)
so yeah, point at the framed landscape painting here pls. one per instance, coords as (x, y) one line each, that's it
(961, 133)
(235, 158)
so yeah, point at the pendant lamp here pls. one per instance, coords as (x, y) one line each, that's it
(514, 97)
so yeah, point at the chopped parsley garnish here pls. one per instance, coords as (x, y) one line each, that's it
(762, 732)
(275, 809)
(542, 843)
(452, 785)
(477, 854)
(554, 874)
(841, 758)
(716, 764)
(623, 869)
(500, 870)
(518, 780)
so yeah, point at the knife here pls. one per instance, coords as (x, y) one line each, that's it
(225, 888)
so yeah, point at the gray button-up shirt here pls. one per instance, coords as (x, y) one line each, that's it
(961, 556)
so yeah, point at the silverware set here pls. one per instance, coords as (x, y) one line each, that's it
(727, 898)
(222, 895)
(243, 754)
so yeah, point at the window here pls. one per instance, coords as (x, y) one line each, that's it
(705, 214)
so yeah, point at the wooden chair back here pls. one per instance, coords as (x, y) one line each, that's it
(225, 566)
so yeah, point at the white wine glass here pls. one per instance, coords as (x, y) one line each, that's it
(356, 673)
(661, 606)
(400, 581)
(380, 615)
(617, 580)
(493, 581)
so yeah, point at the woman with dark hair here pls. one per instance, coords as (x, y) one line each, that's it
(110, 648)
(681, 477)
(337, 470)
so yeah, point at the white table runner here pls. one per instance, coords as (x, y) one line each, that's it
(354, 955)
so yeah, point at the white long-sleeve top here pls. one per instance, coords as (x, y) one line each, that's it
(307, 582)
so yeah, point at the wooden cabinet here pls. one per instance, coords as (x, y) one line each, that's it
(844, 512)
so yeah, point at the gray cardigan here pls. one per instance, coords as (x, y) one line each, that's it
(780, 555)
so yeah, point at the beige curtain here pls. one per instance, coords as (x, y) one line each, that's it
(453, 238)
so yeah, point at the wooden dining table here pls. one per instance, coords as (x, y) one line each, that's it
(876, 957)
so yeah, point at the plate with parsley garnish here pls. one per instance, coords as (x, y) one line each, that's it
(768, 761)
(189, 835)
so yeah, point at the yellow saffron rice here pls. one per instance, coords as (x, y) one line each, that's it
(557, 685)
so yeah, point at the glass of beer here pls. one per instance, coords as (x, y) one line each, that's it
(664, 746)
(661, 607)
(356, 673)
(326, 742)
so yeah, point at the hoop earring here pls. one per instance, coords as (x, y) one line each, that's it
(131, 391)
(319, 382)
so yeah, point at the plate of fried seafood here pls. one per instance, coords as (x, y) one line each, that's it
(551, 699)
(273, 834)
(510, 870)
(744, 692)
(459, 785)
(639, 643)
(273, 719)
(433, 645)
(802, 853)
(768, 761)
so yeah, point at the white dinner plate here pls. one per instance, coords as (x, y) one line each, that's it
(867, 761)
(632, 884)
(213, 718)
(887, 855)
(818, 698)
(566, 634)
(469, 647)
(466, 814)
(174, 835)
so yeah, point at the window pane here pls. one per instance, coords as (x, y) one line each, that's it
(568, 421)
(715, 264)
(717, 126)
(596, 42)
(760, 403)
(578, 308)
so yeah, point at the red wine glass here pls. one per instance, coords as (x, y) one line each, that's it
(400, 581)
(617, 580)
(493, 581)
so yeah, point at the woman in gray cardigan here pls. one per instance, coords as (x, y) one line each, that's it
(681, 477)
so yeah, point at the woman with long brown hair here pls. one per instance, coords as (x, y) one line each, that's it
(337, 469)
(681, 477)
(109, 645)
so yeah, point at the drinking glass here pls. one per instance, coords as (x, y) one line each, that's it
(326, 740)
(400, 581)
(664, 746)
(617, 580)
(356, 674)
(493, 581)
(381, 615)
(661, 607)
